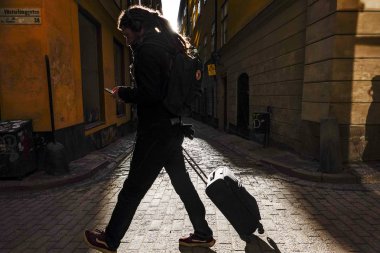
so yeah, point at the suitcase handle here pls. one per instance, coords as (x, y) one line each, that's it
(195, 166)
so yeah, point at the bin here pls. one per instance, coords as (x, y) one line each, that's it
(261, 127)
(17, 150)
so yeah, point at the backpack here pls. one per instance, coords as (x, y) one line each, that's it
(184, 84)
(184, 81)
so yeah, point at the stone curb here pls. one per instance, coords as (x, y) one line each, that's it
(319, 177)
(54, 182)
(341, 178)
(63, 180)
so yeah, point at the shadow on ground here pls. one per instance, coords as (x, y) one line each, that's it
(185, 249)
(257, 245)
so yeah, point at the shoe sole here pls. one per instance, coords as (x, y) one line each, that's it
(94, 247)
(200, 244)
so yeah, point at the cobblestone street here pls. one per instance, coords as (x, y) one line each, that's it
(298, 217)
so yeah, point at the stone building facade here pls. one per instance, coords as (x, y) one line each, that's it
(313, 65)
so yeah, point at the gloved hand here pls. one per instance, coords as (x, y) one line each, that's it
(188, 130)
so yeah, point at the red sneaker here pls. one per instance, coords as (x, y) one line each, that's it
(194, 241)
(96, 240)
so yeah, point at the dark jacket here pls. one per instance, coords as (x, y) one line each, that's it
(151, 71)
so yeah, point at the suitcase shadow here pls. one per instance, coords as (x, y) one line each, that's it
(185, 249)
(257, 245)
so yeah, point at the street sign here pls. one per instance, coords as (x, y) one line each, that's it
(211, 69)
(20, 16)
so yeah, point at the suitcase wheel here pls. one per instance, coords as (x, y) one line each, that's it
(260, 228)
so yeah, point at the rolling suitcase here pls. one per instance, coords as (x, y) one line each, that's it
(231, 198)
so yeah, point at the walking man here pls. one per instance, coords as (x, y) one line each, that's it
(159, 133)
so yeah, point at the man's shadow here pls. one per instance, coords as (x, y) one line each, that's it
(371, 151)
(257, 245)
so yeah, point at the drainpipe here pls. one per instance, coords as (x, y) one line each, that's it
(216, 24)
(215, 58)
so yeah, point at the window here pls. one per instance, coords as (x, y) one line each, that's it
(91, 67)
(224, 23)
(119, 73)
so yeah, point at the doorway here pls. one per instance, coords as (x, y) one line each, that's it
(243, 104)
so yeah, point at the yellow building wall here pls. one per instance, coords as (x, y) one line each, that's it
(63, 50)
(23, 85)
(23, 78)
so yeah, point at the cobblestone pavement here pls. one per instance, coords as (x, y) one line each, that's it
(299, 217)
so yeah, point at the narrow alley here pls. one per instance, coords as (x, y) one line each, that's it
(299, 216)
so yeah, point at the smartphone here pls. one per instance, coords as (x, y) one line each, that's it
(108, 90)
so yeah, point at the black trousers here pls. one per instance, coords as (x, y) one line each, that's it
(161, 147)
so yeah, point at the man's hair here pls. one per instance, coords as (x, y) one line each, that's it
(137, 17)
